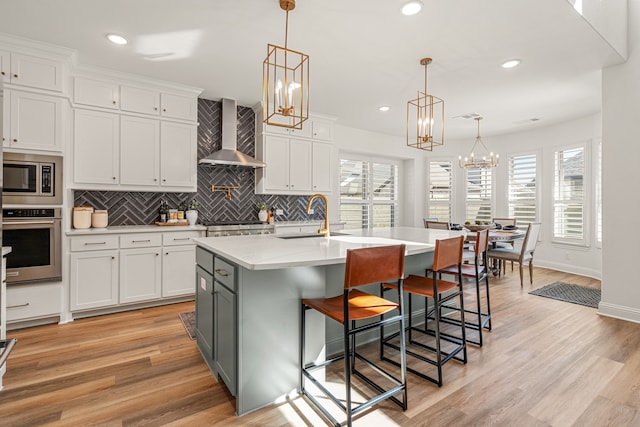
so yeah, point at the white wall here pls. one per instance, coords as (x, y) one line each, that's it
(621, 202)
(585, 260)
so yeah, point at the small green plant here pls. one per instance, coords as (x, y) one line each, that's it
(193, 205)
(262, 206)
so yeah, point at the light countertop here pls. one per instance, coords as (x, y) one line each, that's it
(123, 229)
(266, 252)
(6, 250)
(303, 223)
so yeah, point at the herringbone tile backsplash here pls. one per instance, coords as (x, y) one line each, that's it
(139, 208)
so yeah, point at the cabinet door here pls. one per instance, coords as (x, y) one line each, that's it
(139, 151)
(322, 167)
(5, 65)
(95, 147)
(94, 279)
(140, 274)
(322, 130)
(33, 71)
(100, 93)
(225, 335)
(178, 270)
(300, 165)
(179, 107)
(204, 313)
(36, 121)
(5, 110)
(139, 100)
(276, 156)
(178, 155)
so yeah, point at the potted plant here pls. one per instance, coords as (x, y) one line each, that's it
(192, 211)
(262, 207)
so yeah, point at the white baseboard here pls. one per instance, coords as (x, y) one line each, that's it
(566, 268)
(629, 314)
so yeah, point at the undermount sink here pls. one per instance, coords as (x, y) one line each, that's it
(308, 235)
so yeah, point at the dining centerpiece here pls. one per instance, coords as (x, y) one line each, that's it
(478, 225)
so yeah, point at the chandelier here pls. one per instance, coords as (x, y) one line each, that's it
(285, 82)
(425, 118)
(475, 162)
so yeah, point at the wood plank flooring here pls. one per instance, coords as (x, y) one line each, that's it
(546, 363)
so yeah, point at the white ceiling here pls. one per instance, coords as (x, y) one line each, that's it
(363, 53)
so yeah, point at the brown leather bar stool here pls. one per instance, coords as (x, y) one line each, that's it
(448, 252)
(363, 267)
(479, 271)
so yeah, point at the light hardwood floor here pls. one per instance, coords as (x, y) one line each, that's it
(546, 362)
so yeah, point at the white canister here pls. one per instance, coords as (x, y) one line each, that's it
(82, 217)
(99, 219)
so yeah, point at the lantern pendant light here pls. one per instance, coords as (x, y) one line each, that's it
(487, 161)
(285, 82)
(425, 118)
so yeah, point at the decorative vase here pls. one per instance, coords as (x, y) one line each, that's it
(262, 215)
(192, 217)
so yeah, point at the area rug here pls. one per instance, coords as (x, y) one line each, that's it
(570, 293)
(189, 322)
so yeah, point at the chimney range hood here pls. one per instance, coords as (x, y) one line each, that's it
(229, 154)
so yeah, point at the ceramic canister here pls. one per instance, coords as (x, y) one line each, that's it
(99, 219)
(82, 217)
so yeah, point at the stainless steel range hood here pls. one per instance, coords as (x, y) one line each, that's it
(229, 154)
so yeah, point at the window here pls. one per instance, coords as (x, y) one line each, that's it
(568, 194)
(479, 195)
(368, 194)
(440, 185)
(522, 192)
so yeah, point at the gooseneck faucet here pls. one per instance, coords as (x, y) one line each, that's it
(325, 229)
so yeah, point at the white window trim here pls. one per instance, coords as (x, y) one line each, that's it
(587, 190)
(539, 201)
(597, 185)
(452, 201)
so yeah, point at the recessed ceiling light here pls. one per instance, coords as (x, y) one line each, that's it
(384, 108)
(511, 63)
(411, 8)
(114, 38)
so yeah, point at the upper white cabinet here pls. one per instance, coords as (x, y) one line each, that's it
(139, 151)
(96, 147)
(32, 121)
(298, 161)
(178, 155)
(139, 100)
(179, 106)
(32, 71)
(96, 92)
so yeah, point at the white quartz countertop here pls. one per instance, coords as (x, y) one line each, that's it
(271, 251)
(123, 229)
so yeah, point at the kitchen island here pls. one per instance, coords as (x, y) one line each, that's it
(248, 291)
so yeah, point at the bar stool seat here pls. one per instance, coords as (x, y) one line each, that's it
(363, 267)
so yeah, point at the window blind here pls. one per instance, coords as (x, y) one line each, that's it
(440, 185)
(523, 200)
(568, 208)
(479, 195)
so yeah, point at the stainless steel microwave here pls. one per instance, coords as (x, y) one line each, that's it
(31, 179)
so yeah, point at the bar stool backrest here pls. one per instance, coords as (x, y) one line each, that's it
(482, 242)
(448, 252)
(373, 265)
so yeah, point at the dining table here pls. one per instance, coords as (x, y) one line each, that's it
(495, 237)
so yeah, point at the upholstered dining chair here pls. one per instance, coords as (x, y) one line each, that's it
(437, 225)
(508, 245)
(522, 255)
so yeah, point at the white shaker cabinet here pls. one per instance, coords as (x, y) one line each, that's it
(96, 147)
(139, 100)
(178, 270)
(322, 167)
(300, 153)
(96, 92)
(178, 155)
(288, 166)
(94, 279)
(139, 151)
(32, 71)
(32, 121)
(179, 107)
(140, 274)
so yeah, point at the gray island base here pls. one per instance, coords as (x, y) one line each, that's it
(248, 303)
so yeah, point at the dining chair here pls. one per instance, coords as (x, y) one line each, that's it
(363, 266)
(425, 219)
(508, 244)
(522, 255)
(448, 253)
(437, 225)
(479, 271)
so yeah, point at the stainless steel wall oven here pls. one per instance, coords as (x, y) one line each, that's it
(35, 238)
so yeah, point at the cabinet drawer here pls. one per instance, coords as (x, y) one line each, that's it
(224, 273)
(204, 259)
(179, 238)
(142, 240)
(33, 301)
(94, 243)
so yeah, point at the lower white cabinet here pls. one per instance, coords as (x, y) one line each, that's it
(94, 279)
(34, 301)
(137, 267)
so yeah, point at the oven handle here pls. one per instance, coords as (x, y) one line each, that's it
(27, 223)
